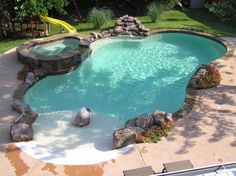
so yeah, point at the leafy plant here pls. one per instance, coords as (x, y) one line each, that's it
(154, 134)
(225, 10)
(170, 4)
(154, 11)
(211, 79)
(98, 17)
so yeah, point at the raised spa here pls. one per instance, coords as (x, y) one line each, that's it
(57, 56)
(123, 77)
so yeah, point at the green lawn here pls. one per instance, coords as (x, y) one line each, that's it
(8, 44)
(199, 19)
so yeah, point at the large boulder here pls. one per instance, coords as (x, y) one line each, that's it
(21, 132)
(27, 117)
(125, 136)
(82, 118)
(159, 117)
(20, 106)
(143, 121)
(118, 29)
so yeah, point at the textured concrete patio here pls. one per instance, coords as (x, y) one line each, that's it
(205, 136)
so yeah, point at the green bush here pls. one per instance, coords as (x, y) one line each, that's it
(170, 4)
(154, 11)
(98, 17)
(225, 10)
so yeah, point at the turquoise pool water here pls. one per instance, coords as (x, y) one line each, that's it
(56, 47)
(127, 76)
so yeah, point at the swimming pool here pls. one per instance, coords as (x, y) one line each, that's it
(123, 77)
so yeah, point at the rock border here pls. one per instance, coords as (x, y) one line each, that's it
(21, 129)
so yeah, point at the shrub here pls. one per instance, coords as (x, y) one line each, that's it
(98, 17)
(225, 10)
(211, 79)
(154, 134)
(154, 11)
(170, 4)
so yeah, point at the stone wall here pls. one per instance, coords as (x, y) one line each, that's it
(55, 64)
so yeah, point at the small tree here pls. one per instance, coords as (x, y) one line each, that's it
(98, 17)
(31, 8)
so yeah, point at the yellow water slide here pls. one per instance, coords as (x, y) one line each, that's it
(61, 23)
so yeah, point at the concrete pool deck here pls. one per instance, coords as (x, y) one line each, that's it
(205, 136)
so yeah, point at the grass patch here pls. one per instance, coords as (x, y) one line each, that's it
(198, 19)
(8, 44)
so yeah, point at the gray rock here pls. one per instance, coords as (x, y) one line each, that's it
(30, 78)
(118, 29)
(169, 117)
(21, 132)
(99, 35)
(94, 35)
(111, 31)
(125, 136)
(158, 117)
(119, 23)
(20, 106)
(27, 117)
(145, 30)
(131, 123)
(143, 121)
(82, 118)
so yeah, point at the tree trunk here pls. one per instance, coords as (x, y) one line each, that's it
(46, 29)
(13, 27)
(77, 9)
(1, 29)
(32, 27)
(21, 26)
(36, 24)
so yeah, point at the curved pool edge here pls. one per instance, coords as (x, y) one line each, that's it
(229, 48)
(191, 93)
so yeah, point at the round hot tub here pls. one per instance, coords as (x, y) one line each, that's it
(57, 55)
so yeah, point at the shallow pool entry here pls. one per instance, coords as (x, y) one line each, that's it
(123, 77)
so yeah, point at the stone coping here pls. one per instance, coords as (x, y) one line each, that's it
(190, 92)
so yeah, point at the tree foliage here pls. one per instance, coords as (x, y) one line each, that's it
(28, 8)
(225, 10)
